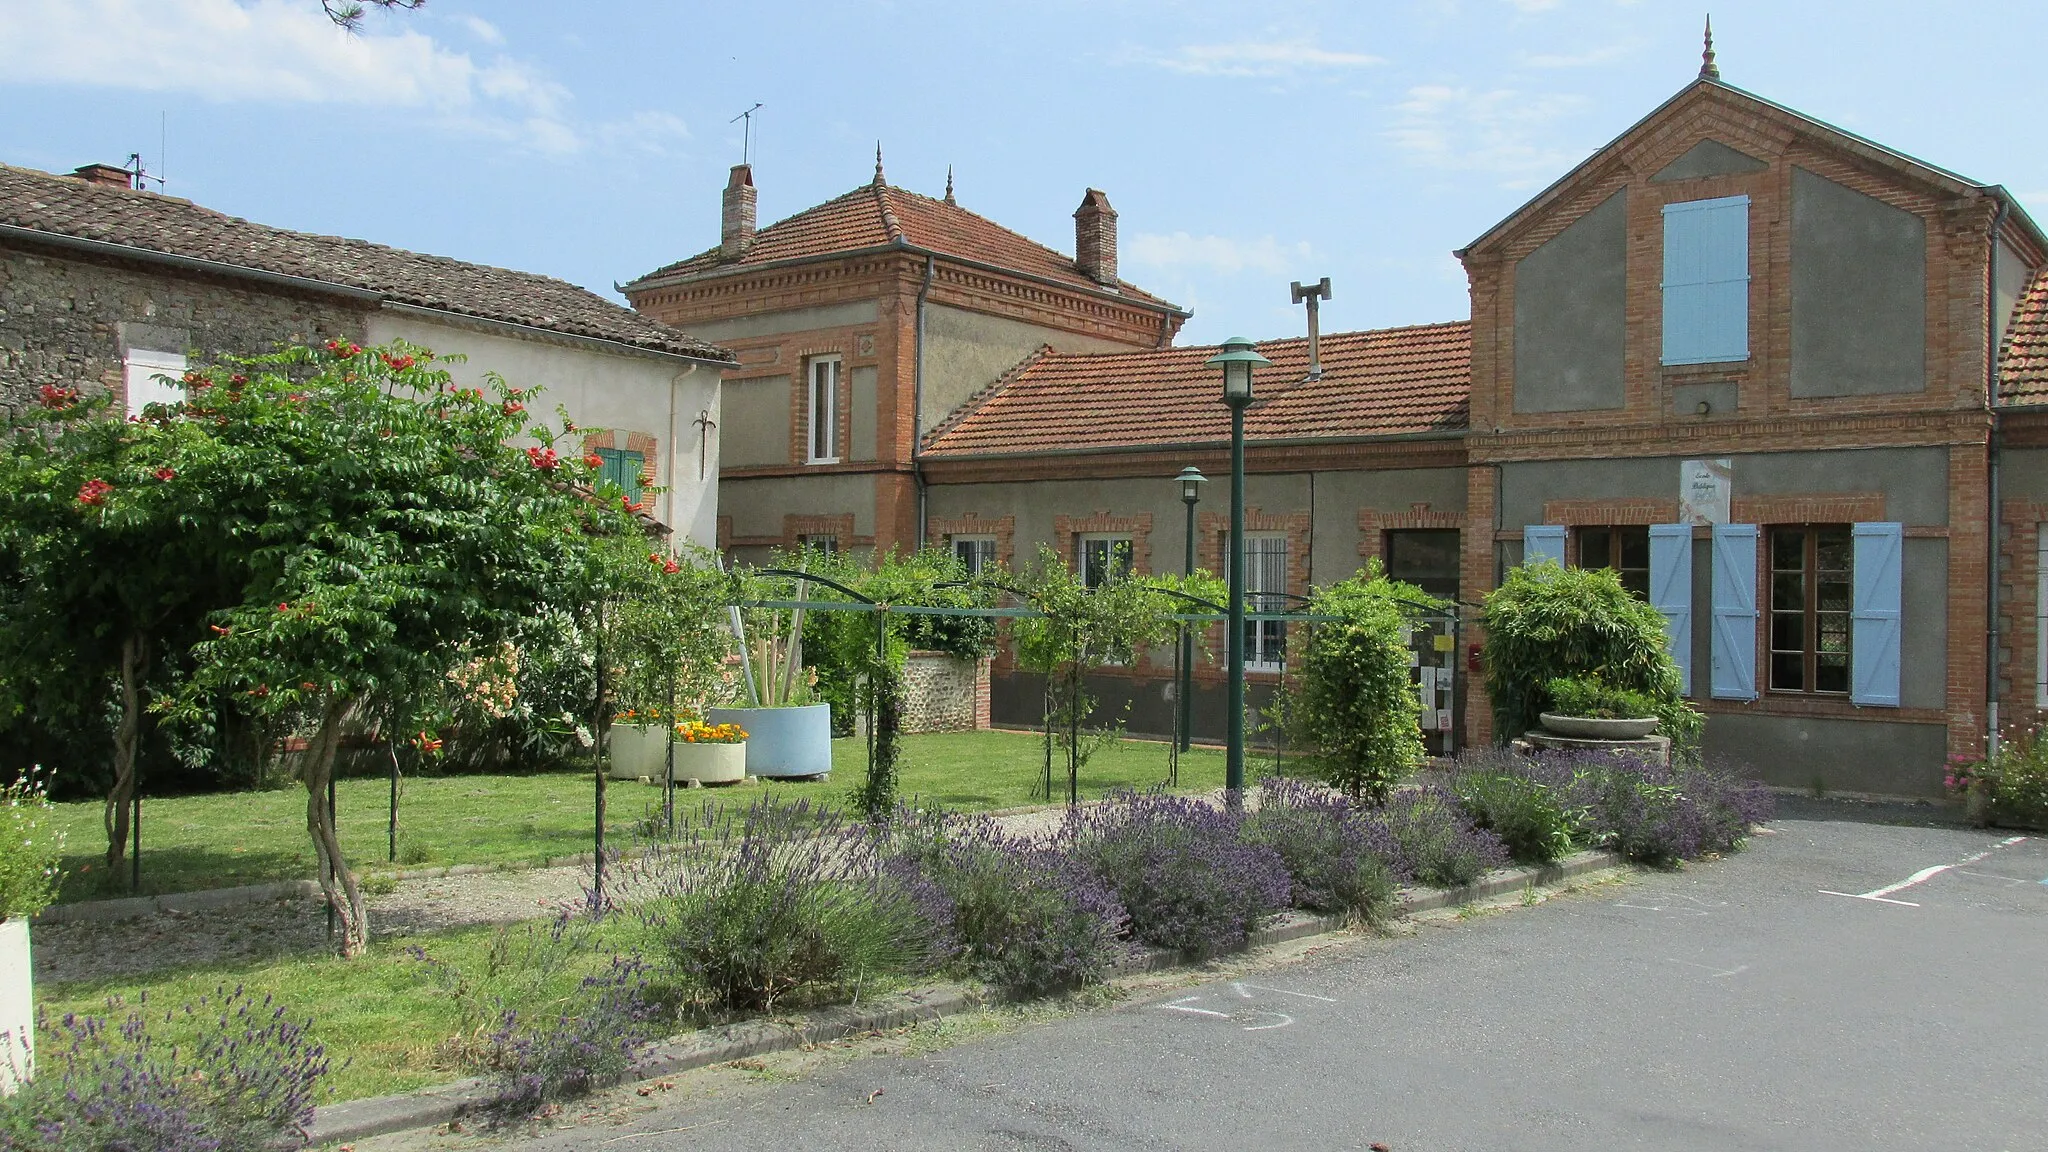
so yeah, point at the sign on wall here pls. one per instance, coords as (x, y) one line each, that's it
(1705, 489)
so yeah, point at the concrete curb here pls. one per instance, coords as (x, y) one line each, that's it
(380, 1115)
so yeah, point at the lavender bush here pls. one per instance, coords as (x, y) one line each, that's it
(1660, 814)
(1025, 918)
(1179, 868)
(225, 1073)
(566, 1051)
(1439, 844)
(1538, 806)
(1337, 862)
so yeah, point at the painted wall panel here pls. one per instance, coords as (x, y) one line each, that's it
(848, 315)
(964, 351)
(1859, 292)
(1570, 311)
(755, 430)
(865, 415)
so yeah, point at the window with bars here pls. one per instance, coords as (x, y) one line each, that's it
(1265, 586)
(975, 552)
(824, 410)
(1426, 558)
(1625, 549)
(1812, 576)
(1103, 559)
(624, 468)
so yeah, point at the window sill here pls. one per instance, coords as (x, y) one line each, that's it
(824, 460)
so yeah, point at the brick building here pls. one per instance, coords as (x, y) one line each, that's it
(104, 288)
(859, 324)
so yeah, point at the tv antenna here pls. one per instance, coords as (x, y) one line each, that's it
(746, 130)
(138, 176)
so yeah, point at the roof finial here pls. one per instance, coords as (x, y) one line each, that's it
(1708, 69)
(949, 185)
(878, 165)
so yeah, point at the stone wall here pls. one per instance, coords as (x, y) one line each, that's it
(944, 693)
(69, 322)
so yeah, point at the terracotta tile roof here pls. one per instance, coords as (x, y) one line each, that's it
(2023, 361)
(874, 215)
(1384, 383)
(68, 206)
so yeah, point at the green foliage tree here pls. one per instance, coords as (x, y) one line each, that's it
(392, 529)
(1348, 706)
(1546, 622)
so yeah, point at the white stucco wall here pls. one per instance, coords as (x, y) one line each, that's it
(660, 396)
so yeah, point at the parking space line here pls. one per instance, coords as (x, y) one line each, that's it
(1883, 895)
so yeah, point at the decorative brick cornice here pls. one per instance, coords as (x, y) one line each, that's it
(1599, 513)
(1732, 437)
(1808, 508)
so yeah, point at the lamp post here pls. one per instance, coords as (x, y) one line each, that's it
(1191, 481)
(1237, 359)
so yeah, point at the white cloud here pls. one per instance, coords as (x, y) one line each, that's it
(1500, 131)
(645, 131)
(483, 29)
(1535, 5)
(1587, 59)
(1218, 253)
(272, 50)
(1270, 58)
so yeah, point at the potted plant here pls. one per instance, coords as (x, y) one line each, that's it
(1590, 709)
(28, 883)
(710, 753)
(789, 733)
(638, 744)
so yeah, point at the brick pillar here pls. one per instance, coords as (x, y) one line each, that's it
(1095, 237)
(736, 213)
(981, 694)
(1968, 539)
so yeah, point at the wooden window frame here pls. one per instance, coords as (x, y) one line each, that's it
(822, 420)
(1616, 548)
(1809, 612)
(984, 542)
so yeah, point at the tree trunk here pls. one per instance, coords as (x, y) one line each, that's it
(127, 748)
(337, 883)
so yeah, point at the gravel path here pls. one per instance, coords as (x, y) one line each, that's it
(85, 950)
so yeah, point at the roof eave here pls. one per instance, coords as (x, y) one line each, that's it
(1201, 445)
(727, 360)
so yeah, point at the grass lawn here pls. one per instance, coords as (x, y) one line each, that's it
(222, 840)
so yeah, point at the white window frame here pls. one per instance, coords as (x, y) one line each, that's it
(1265, 647)
(2041, 617)
(825, 542)
(139, 371)
(821, 376)
(1110, 540)
(984, 548)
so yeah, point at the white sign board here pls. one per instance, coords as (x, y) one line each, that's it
(1705, 489)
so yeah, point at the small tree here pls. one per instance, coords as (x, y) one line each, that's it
(393, 529)
(1546, 622)
(1349, 706)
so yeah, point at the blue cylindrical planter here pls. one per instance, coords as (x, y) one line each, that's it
(784, 741)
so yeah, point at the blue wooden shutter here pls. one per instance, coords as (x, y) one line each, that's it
(1542, 542)
(1874, 614)
(1706, 281)
(1671, 592)
(1734, 612)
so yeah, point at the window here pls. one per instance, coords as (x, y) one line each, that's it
(1625, 549)
(975, 552)
(825, 542)
(1812, 574)
(139, 371)
(624, 469)
(1265, 586)
(1426, 558)
(1706, 281)
(824, 425)
(1104, 559)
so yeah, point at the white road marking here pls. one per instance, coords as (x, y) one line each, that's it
(1241, 991)
(1882, 895)
(2008, 881)
(1181, 1005)
(1285, 1020)
(1661, 908)
(1718, 972)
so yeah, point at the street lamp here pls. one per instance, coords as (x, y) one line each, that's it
(1191, 481)
(1237, 359)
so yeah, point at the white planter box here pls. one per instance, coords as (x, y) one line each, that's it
(711, 763)
(638, 750)
(17, 1007)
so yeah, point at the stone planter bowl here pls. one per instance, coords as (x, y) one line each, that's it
(1591, 728)
(710, 763)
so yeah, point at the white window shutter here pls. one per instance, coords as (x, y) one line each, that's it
(1671, 592)
(1542, 542)
(1874, 614)
(1734, 612)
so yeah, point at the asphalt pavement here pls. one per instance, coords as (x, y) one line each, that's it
(1840, 984)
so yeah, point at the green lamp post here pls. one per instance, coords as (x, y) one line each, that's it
(1237, 359)
(1191, 481)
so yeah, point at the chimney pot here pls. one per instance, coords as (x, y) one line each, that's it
(1095, 238)
(106, 174)
(736, 215)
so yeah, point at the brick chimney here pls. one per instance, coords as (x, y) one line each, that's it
(1095, 238)
(736, 213)
(105, 174)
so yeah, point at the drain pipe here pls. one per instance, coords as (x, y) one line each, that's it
(917, 409)
(1992, 517)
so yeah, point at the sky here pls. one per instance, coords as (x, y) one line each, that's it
(1244, 145)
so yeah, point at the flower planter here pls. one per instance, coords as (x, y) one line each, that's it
(17, 1007)
(1592, 728)
(638, 750)
(784, 742)
(711, 763)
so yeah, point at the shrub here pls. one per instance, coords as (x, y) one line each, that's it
(1536, 806)
(1546, 622)
(786, 898)
(1180, 870)
(28, 866)
(1591, 696)
(2019, 790)
(222, 1074)
(1337, 862)
(1025, 918)
(1439, 844)
(1350, 709)
(1656, 814)
(585, 1042)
